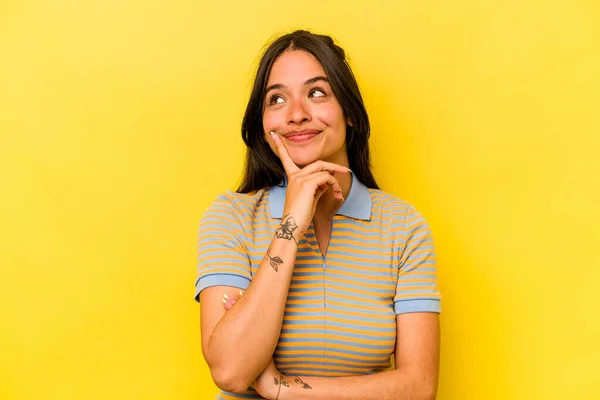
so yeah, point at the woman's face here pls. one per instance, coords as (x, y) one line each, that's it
(301, 108)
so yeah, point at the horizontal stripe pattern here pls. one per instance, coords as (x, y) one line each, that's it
(340, 316)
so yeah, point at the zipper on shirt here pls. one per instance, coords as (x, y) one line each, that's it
(325, 317)
(324, 256)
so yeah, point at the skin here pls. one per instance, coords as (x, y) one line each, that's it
(297, 99)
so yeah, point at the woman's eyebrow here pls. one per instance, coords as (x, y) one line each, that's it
(316, 79)
(275, 86)
(308, 82)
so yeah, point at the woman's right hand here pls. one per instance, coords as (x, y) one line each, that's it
(304, 189)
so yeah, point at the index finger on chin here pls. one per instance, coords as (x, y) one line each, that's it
(288, 164)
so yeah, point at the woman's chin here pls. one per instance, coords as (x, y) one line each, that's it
(302, 162)
(304, 158)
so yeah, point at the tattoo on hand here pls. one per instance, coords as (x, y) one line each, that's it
(286, 228)
(301, 382)
(274, 261)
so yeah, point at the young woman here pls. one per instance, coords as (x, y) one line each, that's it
(337, 276)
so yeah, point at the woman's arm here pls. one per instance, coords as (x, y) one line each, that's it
(415, 376)
(238, 345)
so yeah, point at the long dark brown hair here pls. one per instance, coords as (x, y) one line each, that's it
(263, 168)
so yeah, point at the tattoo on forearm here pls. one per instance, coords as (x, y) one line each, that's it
(302, 383)
(287, 226)
(280, 383)
(274, 261)
(279, 387)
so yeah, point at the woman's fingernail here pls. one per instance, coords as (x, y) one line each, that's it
(241, 293)
(224, 301)
(349, 170)
(343, 197)
(225, 295)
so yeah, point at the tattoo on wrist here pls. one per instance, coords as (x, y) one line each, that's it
(302, 383)
(274, 261)
(286, 228)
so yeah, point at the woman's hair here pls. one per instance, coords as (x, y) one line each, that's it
(263, 168)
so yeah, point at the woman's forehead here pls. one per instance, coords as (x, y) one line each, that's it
(294, 68)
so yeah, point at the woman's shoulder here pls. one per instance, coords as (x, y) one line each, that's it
(385, 203)
(239, 206)
(381, 198)
(238, 201)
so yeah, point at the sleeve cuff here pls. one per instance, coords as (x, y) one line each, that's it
(237, 281)
(417, 305)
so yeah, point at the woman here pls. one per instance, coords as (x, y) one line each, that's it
(338, 275)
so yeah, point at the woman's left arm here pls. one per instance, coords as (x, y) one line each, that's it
(415, 377)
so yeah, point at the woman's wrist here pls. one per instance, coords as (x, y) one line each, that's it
(289, 229)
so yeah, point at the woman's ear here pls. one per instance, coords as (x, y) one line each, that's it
(349, 121)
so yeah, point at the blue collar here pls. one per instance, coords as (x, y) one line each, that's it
(357, 205)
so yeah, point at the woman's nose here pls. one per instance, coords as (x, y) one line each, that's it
(298, 112)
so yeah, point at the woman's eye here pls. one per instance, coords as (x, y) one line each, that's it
(317, 93)
(275, 99)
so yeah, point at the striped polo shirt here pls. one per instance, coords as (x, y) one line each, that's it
(340, 315)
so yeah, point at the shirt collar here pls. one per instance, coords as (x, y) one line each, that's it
(357, 205)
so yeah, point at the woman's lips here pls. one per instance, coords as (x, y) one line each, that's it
(301, 136)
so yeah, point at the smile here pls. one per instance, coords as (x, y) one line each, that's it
(302, 136)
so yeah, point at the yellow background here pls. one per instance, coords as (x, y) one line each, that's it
(119, 124)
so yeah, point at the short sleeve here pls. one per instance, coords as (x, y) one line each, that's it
(417, 289)
(222, 256)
